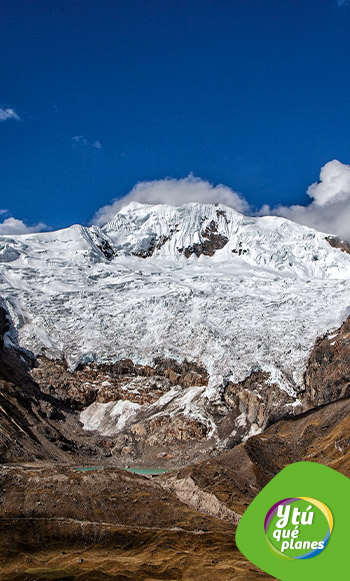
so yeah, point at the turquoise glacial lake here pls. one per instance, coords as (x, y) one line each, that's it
(146, 470)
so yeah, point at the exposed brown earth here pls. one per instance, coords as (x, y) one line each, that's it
(111, 382)
(35, 425)
(261, 401)
(212, 241)
(336, 242)
(53, 527)
(327, 376)
(152, 440)
(236, 476)
(58, 522)
(134, 555)
(142, 531)
(164, 441)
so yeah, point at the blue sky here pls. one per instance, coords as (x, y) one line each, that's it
(253, 94)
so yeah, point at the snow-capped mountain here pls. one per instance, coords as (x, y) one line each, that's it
(204, 283)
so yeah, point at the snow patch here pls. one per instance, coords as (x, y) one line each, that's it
(95, 415)
(261, 301)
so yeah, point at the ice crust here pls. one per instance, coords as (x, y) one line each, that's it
(260, 302)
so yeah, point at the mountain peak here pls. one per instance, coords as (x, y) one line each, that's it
(199, 282)
(196, 230)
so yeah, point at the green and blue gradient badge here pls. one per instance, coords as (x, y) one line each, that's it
(298, 526)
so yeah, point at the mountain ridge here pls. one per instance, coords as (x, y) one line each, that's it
(246, 298)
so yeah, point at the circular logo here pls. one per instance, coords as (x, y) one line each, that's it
(298, 528)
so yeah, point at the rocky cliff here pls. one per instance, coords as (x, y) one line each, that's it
(194, 339)
(35, 425)
(164, 525)
(327, 375)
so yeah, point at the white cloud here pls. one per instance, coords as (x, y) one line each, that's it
(6, 114)
(175, 193)
(12, 226)
(342, 2)
(329, 210)
(81, 141)
(334, 184)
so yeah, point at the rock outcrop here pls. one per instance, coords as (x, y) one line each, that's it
(236, 476)
(336, 242)
(153, 244)
(48, 511)
(4, 326)
(35, 425)
(327, 376)
(212, 241)
(123, 380)
(255, 403)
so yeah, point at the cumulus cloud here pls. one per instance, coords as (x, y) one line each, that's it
(12, 226)
(329, 210)
(81, 141)
(6, 114)
(333, 185)
(175, 193)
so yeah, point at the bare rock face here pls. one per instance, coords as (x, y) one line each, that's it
(4, 326)
(75, 391)
(166, 430)
(162, 440)
(236, 476)
(157, 433)
(35, 425)
(336, 242)
(154, 244)
(123, 380)
(327, 377)
(240, 250)
(152, 415)
(254, 403)
(212, 241)
(186, 373)
(105, 247)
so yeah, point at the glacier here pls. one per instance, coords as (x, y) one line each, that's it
(200, 282)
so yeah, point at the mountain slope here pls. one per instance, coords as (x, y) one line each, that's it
(37, 426)
(50, 522)
(241, 297)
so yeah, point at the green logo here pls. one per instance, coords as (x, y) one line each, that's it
(297, 528)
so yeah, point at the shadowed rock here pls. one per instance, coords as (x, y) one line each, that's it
(336, 242)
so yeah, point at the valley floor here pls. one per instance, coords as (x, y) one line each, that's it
(63, 517)
(59, 522)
